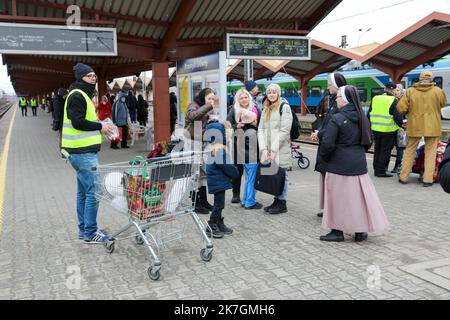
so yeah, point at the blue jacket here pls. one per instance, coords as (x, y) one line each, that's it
(219, 172)
(119, 111)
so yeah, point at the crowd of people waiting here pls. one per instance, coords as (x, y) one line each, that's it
(348, 200)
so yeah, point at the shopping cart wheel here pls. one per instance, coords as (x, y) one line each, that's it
(153, 273)
(303, 162)
(206, 254)
(109, 246)
(139, 240)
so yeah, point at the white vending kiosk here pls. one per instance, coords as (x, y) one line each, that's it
(194, 74)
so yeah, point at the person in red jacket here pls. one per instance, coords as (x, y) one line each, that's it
(104, 109)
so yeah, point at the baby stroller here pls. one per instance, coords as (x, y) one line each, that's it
(419, 162)
(302, 161)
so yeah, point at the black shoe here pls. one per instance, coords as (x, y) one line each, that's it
(125, 147)
(280, 207)
(320, 214)
(216, 233)
(199, 209)
(383, 175)
(333, 236)
(236, 198)
(360, 236)
(207, 205)
(275, 201)
(402, 182)
(203, 198)
(115, 147)
(255, 206)
(222, 227)
(427, 184)
(394, 170)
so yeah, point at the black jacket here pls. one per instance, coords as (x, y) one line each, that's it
(238, 153)
(131, 103)
(251, 153)
(332, 108)
(58, 113)
(76, 112)
(142, 107)
(444, 170)
(173, 107)
(340, 147)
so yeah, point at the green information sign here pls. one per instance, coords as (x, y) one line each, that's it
(252, 46)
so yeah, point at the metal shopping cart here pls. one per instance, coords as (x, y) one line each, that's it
(151, 192)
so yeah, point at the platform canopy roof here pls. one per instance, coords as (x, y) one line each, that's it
(424, 42)
(324, 58)
(152, 31)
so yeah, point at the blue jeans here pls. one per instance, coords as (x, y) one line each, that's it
(249, 196)
(87, 182)
(285, 190)
(400, 152)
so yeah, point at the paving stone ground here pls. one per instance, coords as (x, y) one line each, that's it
(267, 257)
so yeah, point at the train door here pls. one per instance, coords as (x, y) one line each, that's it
(442, 80)
(404, 82)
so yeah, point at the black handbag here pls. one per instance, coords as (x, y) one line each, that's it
(270, 183)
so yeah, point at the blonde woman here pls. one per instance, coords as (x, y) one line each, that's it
(242, 100)
(273, 139)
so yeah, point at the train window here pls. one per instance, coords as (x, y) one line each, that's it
(362, 92)
(376, 91)
(316, 91)
(438, 81)
(403, 83)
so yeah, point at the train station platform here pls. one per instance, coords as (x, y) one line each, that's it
(267, 257)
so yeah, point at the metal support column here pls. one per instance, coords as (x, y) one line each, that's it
(248, 69)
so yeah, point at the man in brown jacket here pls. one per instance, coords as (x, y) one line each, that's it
(422, 103)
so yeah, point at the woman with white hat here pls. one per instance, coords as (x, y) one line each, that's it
(273, 139)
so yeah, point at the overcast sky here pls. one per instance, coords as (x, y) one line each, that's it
(383, 18)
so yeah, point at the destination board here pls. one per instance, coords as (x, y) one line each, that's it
(251, 46)
(61, 40)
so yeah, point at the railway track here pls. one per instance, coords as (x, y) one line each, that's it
(4, 107)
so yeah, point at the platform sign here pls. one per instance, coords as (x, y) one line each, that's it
(59, 40)
(254, 46)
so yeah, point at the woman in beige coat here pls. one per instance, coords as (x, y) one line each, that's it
(273, 139)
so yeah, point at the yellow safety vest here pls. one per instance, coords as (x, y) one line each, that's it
(380, 118)
(73, 138)
(23, 102)
(33, 103)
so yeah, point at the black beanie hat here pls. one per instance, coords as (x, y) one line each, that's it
(81, 70)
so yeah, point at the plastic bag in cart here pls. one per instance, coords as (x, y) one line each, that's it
(175, 196)
(145, 198)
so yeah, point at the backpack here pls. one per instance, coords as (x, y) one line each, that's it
(295, 126)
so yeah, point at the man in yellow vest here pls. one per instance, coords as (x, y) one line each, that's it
(385, 121)
(81, 138)
(23, 106)
(33, 104)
